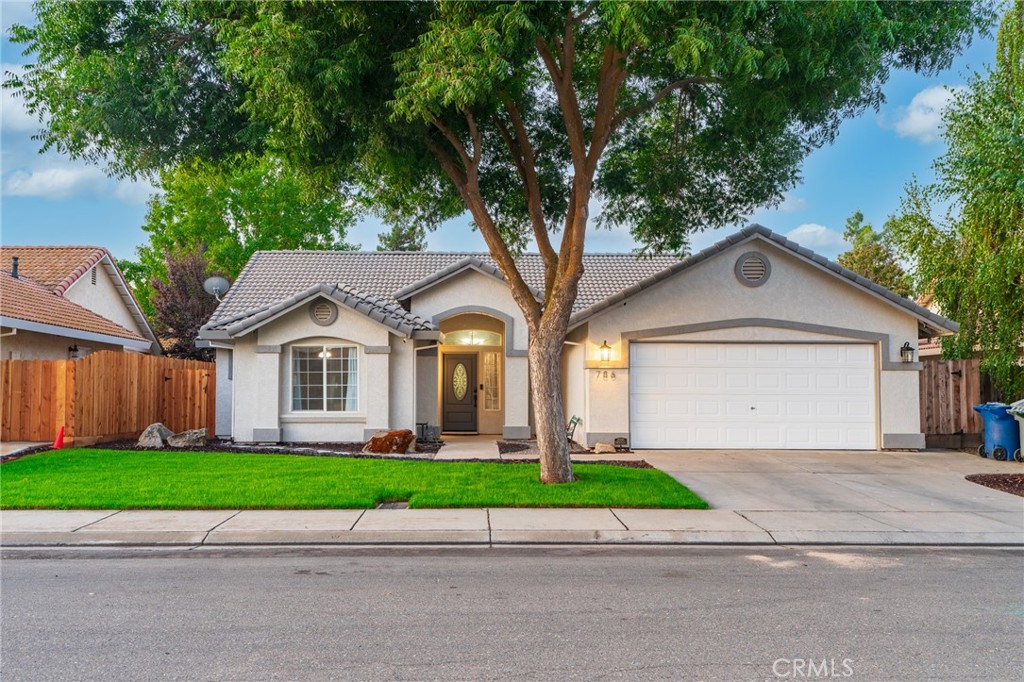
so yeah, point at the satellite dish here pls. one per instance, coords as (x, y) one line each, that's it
(215, 286)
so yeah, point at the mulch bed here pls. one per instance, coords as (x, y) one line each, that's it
(510, 447)
(1008, 483)
(304, 449)
(320, 450)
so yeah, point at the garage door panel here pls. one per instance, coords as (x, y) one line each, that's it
(802, 395)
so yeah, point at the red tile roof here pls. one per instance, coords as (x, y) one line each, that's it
(23, 299)
(55, 267)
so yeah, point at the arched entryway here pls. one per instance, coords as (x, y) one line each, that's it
(471, 374)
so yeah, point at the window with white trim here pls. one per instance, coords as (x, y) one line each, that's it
(492, 382)
(325, 378)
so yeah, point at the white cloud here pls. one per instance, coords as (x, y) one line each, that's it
(817, 238)
(63, 180)
(12, 110)
(922, 118)
(792, 204)
(55, 182)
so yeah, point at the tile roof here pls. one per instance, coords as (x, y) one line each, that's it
(386, 311)
(54, 267)
(23, 299)
(272, 277)
(469, 262)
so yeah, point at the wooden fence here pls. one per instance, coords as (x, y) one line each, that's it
(949, 391)
(105, 396)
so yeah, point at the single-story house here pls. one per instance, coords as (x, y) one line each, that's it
(754, 342)
(64, 302)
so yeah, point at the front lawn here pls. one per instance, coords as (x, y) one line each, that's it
(124, 479)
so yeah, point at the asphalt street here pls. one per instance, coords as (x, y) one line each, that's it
(700, 613)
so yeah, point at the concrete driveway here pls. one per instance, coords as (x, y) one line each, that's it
(806, 494)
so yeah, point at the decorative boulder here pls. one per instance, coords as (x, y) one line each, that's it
(604, 449)
(391, 442)
(155, 436)
(188, 439)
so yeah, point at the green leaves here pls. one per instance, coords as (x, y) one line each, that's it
(231, 209)
(972, 257)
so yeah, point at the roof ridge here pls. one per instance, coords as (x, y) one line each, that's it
(82, 268)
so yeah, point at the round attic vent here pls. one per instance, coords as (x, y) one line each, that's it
(323, 313)
(753, 269)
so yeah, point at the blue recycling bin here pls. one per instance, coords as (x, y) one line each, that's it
(1002, 436)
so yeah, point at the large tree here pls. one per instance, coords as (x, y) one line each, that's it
(970, 253)
(871, 257)
(231, 208)
(403, 238)
(677, 116)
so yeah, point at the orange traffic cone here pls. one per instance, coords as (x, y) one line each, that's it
(58, 442)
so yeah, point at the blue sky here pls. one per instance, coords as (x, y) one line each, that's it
(49, 199)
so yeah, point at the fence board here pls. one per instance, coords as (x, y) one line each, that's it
(104, 396)
(949, 390)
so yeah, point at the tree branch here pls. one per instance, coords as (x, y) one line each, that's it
(454, 140)
(561, 77)
(448, 164)
(469, 189)
(585, 14)
(474, 134)
(655, 98)
(609, 83)
(525, 158)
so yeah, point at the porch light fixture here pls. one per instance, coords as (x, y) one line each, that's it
(907, 352)
(606, 352)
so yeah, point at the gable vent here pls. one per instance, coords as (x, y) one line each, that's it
(753, 269)
(323, 313)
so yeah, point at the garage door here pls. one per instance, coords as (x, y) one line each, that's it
(752, 396)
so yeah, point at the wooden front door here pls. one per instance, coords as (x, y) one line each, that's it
(458, 404)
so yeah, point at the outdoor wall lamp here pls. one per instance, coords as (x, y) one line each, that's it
(907, 352)
(606, 352)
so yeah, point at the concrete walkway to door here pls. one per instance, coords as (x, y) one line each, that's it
(468, 447)
(831, 496)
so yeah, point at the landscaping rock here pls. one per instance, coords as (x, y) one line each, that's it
(155, 436)
(390, 442)
(187, 439)
(604, 449)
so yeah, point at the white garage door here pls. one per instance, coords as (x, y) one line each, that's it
(752, 396)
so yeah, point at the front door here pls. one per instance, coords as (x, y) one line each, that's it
(458, 405)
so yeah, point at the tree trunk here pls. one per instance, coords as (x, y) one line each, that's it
(548, 414)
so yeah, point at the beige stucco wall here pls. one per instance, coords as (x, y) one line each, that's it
(225, 392)
(27, 345)
(102, 298)
(262, 380)
(426, 386)
(710, 292)
(461, 294)
(574, 379)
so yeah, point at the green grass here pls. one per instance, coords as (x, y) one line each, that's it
(120, 479)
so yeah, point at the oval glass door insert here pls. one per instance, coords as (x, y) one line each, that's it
(460, 381)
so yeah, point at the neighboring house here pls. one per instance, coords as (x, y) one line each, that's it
(61, 302)
(754, 342)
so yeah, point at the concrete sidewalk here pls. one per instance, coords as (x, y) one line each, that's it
(503, 526)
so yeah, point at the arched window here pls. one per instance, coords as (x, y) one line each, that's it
(472, 337)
